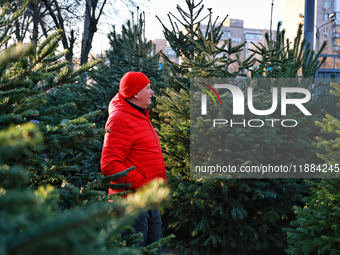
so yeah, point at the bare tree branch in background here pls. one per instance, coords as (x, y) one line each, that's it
(44, 16)
(21, 25)
(90, 27)
(55, 12)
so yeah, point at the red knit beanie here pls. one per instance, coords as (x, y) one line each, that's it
(132, 83)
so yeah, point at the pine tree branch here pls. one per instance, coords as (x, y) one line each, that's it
(74, 197)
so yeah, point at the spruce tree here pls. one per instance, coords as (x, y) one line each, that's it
(226, 216)
(42, 210)
(180, 40)
(26, 82)
(315, 231)
(277, 59)
(129, 50)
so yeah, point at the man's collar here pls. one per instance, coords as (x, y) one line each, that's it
(142, 110)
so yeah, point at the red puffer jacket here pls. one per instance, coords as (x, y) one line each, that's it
(131, 140)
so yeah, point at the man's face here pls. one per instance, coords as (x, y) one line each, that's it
(144, 96)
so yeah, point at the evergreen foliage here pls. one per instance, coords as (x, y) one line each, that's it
(279, 60)
(25, 84)
(229, 216)
(130, 51)
(208, 59)
(329, 141)
(181, 40)
(73, 141)
(44, 208)
(315, 231)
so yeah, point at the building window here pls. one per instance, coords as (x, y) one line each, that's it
(337, 41)
(247, 54)
(325, 31)
(326, 5)
(337, 16)
(237, 40)
(254, 36)
(170, 52)
(325, 16)
(336, 31)
(225, 35)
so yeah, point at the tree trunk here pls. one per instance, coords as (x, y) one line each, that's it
(35, 34)
(90, 27)
(72, 40)
(17, 31)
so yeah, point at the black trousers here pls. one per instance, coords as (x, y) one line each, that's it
(149, 223)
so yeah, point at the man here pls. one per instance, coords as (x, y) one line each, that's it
(130, 140)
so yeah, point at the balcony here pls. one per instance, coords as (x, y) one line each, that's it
(336, 48)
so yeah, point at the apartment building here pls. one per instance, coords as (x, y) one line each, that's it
(162, 44)
(328, 31)
(232, 29)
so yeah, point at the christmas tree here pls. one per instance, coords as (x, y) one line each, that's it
(44, 208)
(315, 230)
(227, 216)
(277, 59)
(181, 40)
(26, 83)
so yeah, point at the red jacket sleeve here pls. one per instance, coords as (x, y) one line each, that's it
(117, 144)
